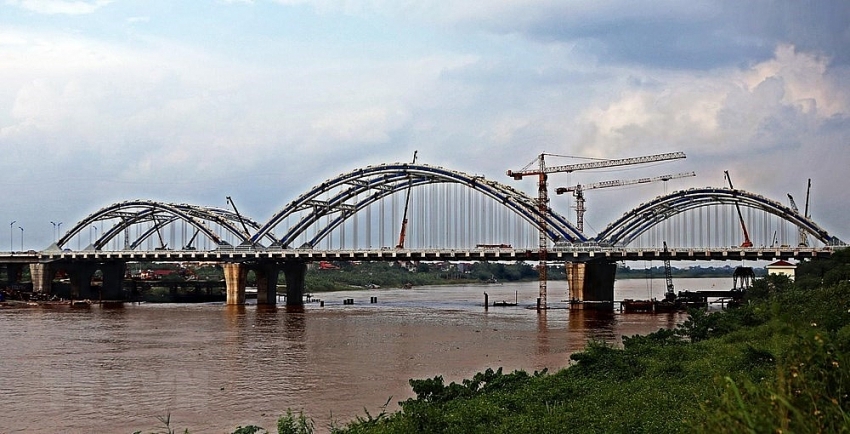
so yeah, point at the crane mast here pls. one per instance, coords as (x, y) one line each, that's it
(403, 232)
(244, 226)
(808, 190)
(538, 167)
(803, 237)
(747, 242)
(543, 244)
(670, 294)
(578, 191)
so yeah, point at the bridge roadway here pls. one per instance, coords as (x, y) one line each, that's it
(556, 254)
(590, 269)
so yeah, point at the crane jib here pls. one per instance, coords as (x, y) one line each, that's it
(597, 164)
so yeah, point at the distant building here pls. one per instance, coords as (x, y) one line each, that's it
(782, 268)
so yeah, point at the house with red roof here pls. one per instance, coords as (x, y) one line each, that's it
(783, 268)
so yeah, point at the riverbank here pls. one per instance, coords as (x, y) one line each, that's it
(781, 363)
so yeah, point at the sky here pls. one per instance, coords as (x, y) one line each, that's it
(109, 100)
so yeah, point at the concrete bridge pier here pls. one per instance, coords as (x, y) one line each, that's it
(113, 280)
(13, 273)
(235, 276)
(42, 277)
(591, 284)
(267, 275)
(295, 273)
(80, 276)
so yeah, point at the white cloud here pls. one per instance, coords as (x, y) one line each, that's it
(64, 7)
(725, 109)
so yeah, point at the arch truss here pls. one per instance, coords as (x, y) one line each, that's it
(328, 205)
(648, 215)
(134, 222)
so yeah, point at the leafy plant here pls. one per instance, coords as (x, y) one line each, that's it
(294, 424)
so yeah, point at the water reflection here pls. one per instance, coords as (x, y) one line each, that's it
(213, 367)
(542, 333)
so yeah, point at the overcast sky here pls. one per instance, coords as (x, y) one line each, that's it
(103, 101)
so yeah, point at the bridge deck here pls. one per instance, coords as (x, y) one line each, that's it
(501, 254)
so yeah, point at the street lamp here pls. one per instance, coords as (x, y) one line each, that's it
(11, 226)
(95, 236)
(22, 238)
(56, 228)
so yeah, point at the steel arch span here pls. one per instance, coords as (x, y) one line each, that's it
(354, 191)
(150, 217)
(647, 215)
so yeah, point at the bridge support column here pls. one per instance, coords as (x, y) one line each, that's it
(80, 276)
(235, 276)
(13, 273)
(295, 273)
(42, 276)
(591, 284)
(267, 283)
(113, 281)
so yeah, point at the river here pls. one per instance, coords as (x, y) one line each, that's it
(211, 368)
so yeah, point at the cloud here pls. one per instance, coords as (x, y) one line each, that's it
(152, 113)
(772, 124)
(725, 108)
(166, 111)
(671, 34)
(56, 7)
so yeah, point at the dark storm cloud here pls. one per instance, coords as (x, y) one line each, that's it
(689, 35)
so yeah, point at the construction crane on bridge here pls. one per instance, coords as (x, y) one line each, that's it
(537, 167)
(578, 191)
(804, 239)
(670, 293)
(747, 242)
(403, 232)
(239, 216)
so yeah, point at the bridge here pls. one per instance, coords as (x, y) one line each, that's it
(454, 216)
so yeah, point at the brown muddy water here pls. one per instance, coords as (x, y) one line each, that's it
(211, 368)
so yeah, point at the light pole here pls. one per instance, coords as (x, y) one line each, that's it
(95, 236)
(22, 238)
(11, 226)
(54, 231)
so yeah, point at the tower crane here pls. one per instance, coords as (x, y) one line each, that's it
(578, 191)
(747, 242)
(537, 167)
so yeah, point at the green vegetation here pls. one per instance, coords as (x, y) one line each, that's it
(625, 272)
(393, 275)
(780, 363)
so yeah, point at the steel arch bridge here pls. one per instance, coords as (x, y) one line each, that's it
(326, 207)
(380, 181)
(150, 217)
(650, 214)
